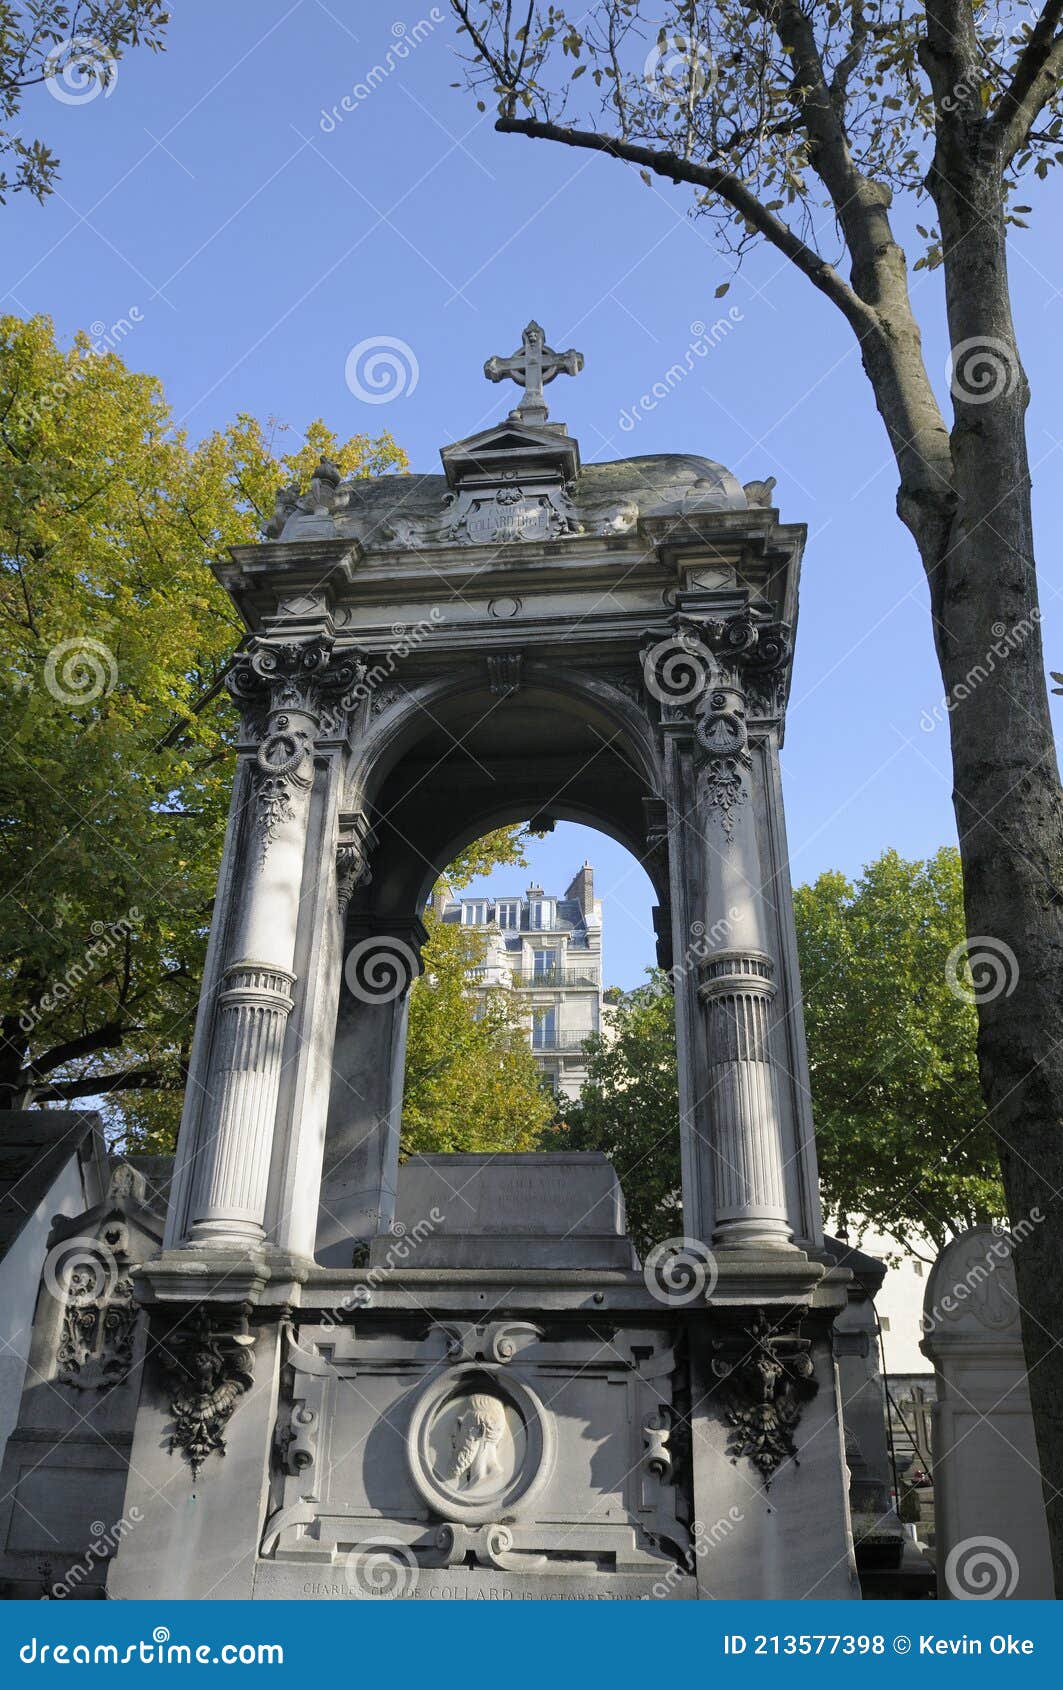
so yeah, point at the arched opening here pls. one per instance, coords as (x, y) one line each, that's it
(570, 759)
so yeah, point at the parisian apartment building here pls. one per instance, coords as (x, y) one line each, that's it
(549, 950)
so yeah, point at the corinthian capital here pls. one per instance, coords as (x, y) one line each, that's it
(302, 678)
(744, 654)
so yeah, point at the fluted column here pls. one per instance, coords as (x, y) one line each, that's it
(715, 662)
(284, 690)
(737, 977)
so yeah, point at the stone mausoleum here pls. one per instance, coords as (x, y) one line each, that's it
(450, 1376)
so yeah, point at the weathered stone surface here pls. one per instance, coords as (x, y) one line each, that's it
(512, 1211)
(469, 1584)
(991, 1532)
(65, 1465)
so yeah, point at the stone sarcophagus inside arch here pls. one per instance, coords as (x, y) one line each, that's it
(453, 1377)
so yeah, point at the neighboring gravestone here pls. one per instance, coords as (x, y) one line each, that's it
(890, 1564)
(65, 1465)
(992, 1538)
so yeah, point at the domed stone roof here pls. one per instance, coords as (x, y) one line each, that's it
(662, 483)
(389, 511)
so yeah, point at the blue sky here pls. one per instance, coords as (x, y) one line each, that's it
(257, 244)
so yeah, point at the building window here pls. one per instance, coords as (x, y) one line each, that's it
(544, 1029)
(508, 913)
(474, 913)
(545, 963)
(541, 913)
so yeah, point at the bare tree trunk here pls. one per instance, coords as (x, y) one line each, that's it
(1007, 796)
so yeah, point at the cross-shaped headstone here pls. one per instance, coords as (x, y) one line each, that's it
(532, 368)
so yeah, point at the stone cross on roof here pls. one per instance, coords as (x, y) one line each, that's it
(532, 368)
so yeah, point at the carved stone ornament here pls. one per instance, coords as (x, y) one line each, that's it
(356, 841)
(497, 1341)
(207, 1369)
(721, 734)
(766, 1376)
(533, 367)
(655, 1433)
(319, 501)
(745, 652)
(290, 692)
(297, 676)
(480, 1445)
(95, 1350)
(498, 515)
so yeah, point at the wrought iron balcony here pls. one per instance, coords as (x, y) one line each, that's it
(553, 977)
(564, 1039)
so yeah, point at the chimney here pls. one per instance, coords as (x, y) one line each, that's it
(582, 889)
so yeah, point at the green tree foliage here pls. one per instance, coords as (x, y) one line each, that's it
(471, 1080)
(111, 822)
(629, 1108)
(73, 51)
(901, 1129)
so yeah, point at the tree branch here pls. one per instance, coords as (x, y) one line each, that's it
(1036, 71)
(104, 1085)
(101, 1038)
(712, 180)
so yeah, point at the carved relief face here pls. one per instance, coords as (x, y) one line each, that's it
(474, 1442)
(477, 1443)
